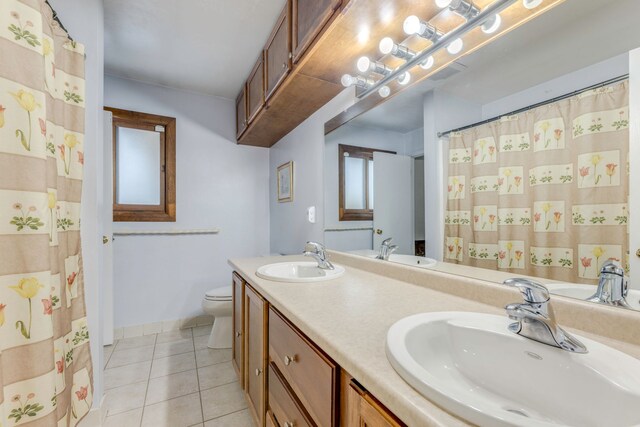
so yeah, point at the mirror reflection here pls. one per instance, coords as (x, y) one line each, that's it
(513, 161)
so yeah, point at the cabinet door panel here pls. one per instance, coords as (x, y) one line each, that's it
(278, 53)
(238, 327)
(309, 16)
(255, 340)
(241, 112)
(255, 89)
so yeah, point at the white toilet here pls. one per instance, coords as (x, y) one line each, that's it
(218, 303)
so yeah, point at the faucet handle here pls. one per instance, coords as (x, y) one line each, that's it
(612, 267)
(386, 241)
(313, 247)
(532, 292)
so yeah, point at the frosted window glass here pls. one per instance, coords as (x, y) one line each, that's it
(370, 177)
(137, 167)
(354, 178)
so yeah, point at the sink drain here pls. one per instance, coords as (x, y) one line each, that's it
(518, 412)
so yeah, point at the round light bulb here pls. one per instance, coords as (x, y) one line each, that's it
(443, 3)
(347, 80)
(411, 25)
(455, 47)
(531, 4)
(404, 78)
(384, 91)
(363, 64)
(492, 24)
(427, 63)
(386, 45)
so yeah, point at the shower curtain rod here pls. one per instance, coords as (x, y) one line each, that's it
(57, 19)
(539, 104)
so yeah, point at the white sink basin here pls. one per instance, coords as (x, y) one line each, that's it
(472, 366)
(583, 292)
(298, 272)
(413, 260)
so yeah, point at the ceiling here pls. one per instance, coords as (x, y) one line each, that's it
(574, 35)
(206, 46)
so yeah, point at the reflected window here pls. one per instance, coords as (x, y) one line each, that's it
(355, 166)
(143, 166)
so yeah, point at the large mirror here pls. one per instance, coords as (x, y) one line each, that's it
(513, 161)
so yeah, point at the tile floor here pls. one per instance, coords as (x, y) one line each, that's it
(172, 380)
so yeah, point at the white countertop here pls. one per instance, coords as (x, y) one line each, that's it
(348, 318)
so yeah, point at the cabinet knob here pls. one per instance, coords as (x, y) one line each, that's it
(289, 359)
(238, 334)
(258, 372)
(284, 65)
(289, 424)
(378, 231)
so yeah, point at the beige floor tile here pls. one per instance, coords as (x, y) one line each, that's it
(173, 364)
(211, 356)
(201, 342)
(237, 419)
(170, 336)
(222, 400)
(127, 357)
(174, 347)
(136, 342)
(125, 398)
(202, 330)
(108, 351)
(183, 411)
(216, 375)
(171, 386)
(127, 374)
(125, 419)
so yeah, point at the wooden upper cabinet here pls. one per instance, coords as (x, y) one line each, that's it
(255, 89)
(277, 53)
(241, 112)
(308, 18)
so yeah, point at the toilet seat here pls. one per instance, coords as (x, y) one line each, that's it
(219, 294)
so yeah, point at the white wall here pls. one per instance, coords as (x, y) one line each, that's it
(84, 21)
(219, 185)
(305, 146)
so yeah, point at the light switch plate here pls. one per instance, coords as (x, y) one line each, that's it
(311, 214)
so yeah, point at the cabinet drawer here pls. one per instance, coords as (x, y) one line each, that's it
(311, 375)
(282, 402)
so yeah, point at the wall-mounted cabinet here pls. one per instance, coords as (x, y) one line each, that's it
(277, 53)
(255, 89)
(309, 17)
(241, 112)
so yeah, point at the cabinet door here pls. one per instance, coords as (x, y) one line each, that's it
(241, 112)
(309, 16)
(255, 89)
(255, 341)
(277, 53)
(360, 409)
(238, 327)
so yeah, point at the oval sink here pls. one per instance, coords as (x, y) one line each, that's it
(573, 290)
(413, 260)
(298, 272)
(471, 365)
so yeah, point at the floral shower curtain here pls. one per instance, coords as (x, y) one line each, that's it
(45, 362)
(543, 193)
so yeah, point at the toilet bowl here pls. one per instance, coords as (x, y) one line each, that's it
(218, 303)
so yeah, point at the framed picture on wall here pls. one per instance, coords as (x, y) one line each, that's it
(285, 182)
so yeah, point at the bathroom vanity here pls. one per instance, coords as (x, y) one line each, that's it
(314, 353)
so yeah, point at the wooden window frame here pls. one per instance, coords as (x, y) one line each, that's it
(166, 210)
(359, 153)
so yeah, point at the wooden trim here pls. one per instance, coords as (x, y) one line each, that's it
(360, 153)
(165, 211)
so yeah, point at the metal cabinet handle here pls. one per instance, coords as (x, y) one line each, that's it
(258, 372)
(289, 424)
(238, 334)
(289, 359)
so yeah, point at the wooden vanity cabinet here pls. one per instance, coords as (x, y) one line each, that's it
(255, 350)
(255, 90)
(283, 404)
(360, 409)
(277, 53)
(237, 347)
(308, 18)
(241, 112)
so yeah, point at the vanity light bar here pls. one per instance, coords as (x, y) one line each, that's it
(359, 81)
(464, 8)
(422, 57)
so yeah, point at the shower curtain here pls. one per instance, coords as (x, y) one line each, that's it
(45, 361)
(543, 193)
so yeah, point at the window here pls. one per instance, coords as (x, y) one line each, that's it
(144, 167)
(355, 169)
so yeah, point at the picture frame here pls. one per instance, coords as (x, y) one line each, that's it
(285, 182)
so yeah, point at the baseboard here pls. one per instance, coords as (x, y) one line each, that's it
(95, 417)
(164, 326)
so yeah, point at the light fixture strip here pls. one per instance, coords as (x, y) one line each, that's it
(495, 7)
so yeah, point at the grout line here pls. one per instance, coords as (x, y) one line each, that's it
(225, 415)
(144, 405)
(198, 377)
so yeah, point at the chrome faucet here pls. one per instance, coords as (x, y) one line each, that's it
(535, 318)
(613, 286)
(317, 252)
(386, 249)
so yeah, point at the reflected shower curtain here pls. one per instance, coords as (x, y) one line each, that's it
(543, 193)
(45, 362)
